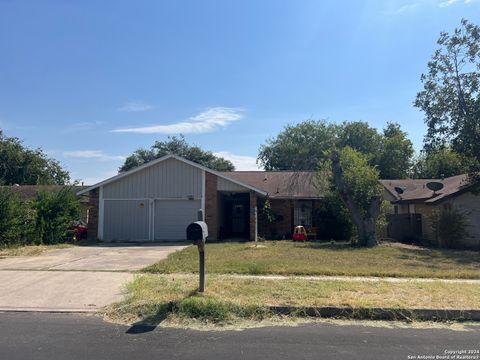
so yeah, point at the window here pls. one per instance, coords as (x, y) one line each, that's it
(302, 215)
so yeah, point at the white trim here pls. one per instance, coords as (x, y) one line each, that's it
(101, 209)
(166, 157)
(203, 193)
(151, 219)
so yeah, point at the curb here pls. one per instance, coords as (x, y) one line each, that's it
(380, 313)
(49, 310)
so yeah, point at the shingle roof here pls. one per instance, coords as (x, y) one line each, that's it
(417, 190)
(280, 184)
(27, 192)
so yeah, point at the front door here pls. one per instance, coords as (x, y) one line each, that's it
(238, 218)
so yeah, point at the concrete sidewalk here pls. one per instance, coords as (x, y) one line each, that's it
(60, 291)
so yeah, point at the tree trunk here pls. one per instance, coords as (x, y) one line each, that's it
(365, 224)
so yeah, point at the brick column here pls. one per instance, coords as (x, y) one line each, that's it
(211, 217)
(253, 218)
(92, 226)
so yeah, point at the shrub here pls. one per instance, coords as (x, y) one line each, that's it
(11, 229)
(54, 214)
(449, 227)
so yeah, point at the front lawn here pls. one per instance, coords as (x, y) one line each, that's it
(227, 298)
(288, 258)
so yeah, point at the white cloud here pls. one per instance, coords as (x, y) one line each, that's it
(93, 154)
(135, 106)
(447, 3)
(406, 7)
(240, 162)
(209, 120)
(92, 180)
(82, 126)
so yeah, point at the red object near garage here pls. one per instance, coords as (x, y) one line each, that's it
(299, 234)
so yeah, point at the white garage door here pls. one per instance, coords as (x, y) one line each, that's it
(126, 220)
(172, 218)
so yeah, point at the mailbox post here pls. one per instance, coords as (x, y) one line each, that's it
(198, 232)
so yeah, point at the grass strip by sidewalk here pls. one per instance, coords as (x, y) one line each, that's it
(288, 258)
(150, 297)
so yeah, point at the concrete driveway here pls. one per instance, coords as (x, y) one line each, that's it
(76, 279)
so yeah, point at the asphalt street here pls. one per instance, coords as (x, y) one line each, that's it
(74, 336)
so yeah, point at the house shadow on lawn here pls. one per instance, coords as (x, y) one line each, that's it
(428, 255)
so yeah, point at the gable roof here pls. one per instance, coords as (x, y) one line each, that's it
(415, 190)
(163, 158)
(280, 184)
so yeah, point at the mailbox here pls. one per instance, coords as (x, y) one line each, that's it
(197, 232)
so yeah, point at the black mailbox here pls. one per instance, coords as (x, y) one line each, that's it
(197, 232)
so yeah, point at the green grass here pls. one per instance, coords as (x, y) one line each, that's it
(288, 258)
(151, 298)
(30, 250)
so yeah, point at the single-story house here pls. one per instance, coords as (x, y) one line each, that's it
(157, 201)
(414, 200)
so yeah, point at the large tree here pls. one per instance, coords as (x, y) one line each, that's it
(450, 98)
(304, 145)
(24, 166)
(395, 158)
(357, 184)
(177, 146)
(443, 162)
(299, 147)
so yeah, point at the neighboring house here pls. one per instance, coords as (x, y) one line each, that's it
(156, 202)
(413, 202)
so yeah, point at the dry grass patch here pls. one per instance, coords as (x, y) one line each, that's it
(150, 297)
(30, 250)
(288, 258)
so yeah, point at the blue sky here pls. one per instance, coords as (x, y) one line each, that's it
(91, 81)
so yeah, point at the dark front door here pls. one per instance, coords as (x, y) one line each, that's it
(238, 218)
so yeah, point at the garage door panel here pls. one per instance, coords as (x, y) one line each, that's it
(172, 218)
(126, 220)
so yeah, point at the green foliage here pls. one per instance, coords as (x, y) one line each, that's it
(11, 218)
(298, 147)
(332, 219)
(23, 166)
(450, 98)
(359, 136)
(361, 179)
(443, 162)
(267, 212)
(209, 309)
(177, 146)
(305, 145)
(449, 227)
(395, 159)
(54, 215)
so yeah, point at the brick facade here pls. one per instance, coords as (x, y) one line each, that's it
(253, 216)
(92, 225)
(281, 228)
(211, 205)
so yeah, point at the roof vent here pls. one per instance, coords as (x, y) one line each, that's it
(435, 186)
(399, 190)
